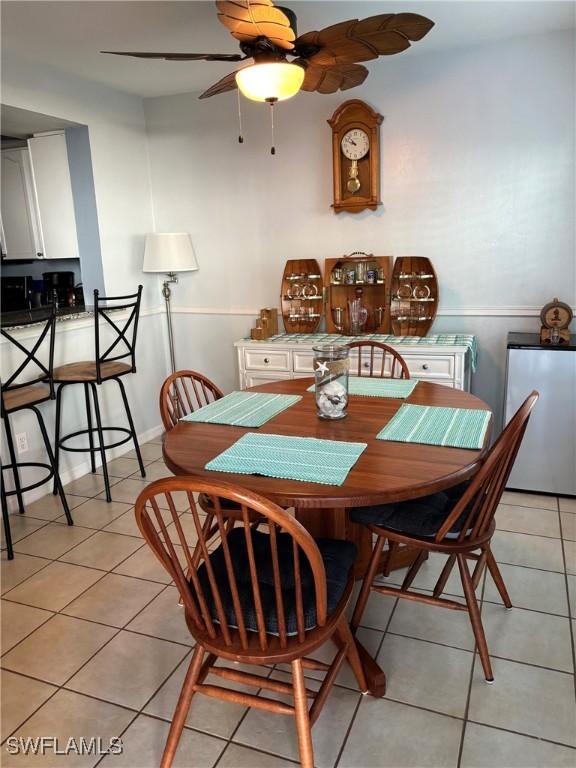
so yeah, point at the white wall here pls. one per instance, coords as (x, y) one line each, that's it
(477, 174)
(122, 185)
(119, 156)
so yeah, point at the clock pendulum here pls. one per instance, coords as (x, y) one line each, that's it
(355, 145)
(353, 184)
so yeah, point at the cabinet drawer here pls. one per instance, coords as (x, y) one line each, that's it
(303, 362)
(255, 379)
(436, 367)
(263, 360)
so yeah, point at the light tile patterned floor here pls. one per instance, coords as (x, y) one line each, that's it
(94, 644)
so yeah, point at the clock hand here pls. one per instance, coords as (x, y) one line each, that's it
(351, 141)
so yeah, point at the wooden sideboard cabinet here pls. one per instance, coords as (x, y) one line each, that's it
(281, 357)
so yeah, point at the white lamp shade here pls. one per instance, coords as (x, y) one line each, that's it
(169, 252)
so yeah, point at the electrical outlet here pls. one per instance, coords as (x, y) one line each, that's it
(22, 442)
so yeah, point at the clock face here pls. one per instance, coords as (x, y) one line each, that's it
(355, 144)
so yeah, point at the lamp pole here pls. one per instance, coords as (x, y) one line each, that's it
(167, 293)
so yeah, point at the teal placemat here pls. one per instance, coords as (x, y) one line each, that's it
(374, 387)
(243, 409)
(432, 425)
(291, 458)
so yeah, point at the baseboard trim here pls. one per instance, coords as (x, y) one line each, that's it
(79, 470)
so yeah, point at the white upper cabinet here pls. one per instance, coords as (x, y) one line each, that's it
(20, 232)
(53, 188)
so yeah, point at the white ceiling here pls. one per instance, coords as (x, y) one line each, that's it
(21, 123)
(68, 36)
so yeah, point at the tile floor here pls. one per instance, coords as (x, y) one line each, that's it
(94, 644)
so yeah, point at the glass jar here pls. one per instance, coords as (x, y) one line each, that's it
(331, 366)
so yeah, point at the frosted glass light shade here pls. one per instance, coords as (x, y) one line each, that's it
(169, 252)
(277, 80)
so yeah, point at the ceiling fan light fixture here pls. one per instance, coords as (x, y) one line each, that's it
(273, 81)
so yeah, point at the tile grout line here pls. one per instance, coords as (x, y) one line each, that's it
(567, 586)
(81, 565)
(471, 680)
(80, 594)
(377, 653)
(235, 730)
(165, 587)
(62, 686)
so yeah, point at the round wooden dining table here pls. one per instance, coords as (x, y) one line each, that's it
(385, 471)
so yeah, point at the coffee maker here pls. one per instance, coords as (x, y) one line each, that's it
(59, 285)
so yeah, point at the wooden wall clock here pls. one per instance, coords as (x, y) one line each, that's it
(356, 157)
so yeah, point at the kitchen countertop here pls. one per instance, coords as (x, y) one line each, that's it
(22, 318)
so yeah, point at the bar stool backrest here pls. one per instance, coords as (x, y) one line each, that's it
(123, 343)
(32, 367)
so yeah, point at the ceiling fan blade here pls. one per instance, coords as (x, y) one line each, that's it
(352, 41)
(249, 19)
(227, 83)
(340, 77)
(180, 56)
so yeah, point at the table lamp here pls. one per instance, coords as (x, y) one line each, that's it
(169, 252)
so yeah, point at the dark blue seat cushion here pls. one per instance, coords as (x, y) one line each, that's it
(338, 558)
(417, 517)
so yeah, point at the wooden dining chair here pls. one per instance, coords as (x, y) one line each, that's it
(184, 392)
(377, 359)
(253, 597)
(458, 523)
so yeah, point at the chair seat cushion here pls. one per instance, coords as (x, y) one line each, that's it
(23, 397)
(416, 517)
(338, 558)
(206, 503)
(86, 371)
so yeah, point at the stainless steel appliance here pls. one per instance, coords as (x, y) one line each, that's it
(547, 458)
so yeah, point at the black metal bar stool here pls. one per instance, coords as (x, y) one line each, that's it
(92, 374)
(20, 395)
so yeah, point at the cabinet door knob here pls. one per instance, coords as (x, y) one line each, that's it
(266, 359)
(39, 255)
(425, 366)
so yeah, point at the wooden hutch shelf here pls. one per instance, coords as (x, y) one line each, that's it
(413, 296)
(349, 278)
(302, 296)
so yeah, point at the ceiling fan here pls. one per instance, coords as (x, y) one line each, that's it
(324, 61)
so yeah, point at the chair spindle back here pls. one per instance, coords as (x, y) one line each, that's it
(374, 359)
(184, 392)
(217, 607)
(478, 504)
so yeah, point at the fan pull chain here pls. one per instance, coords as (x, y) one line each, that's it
(272, 102)
(240, 131)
